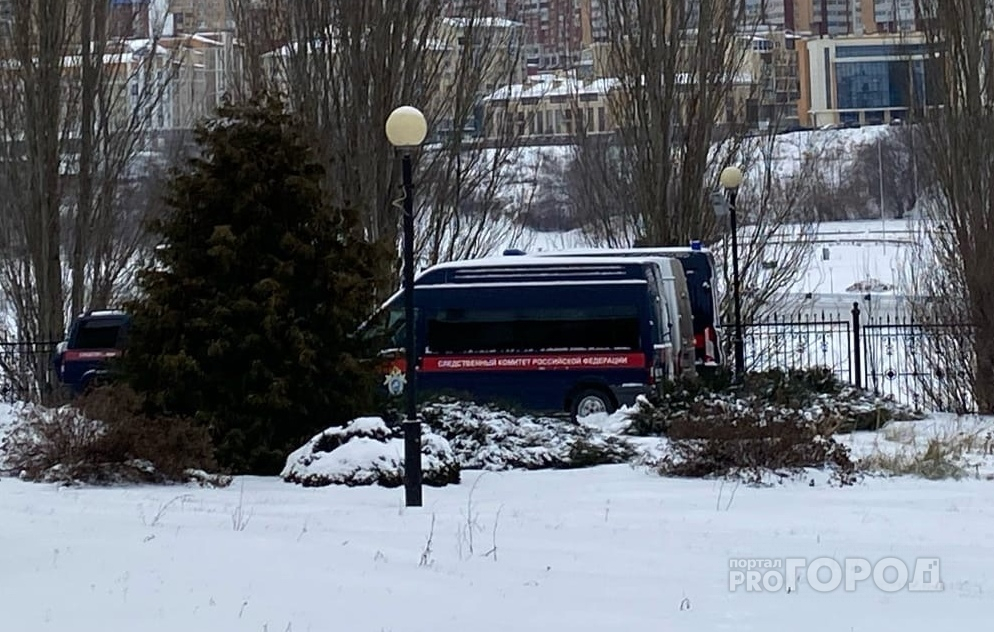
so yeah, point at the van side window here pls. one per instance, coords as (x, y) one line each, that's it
(523, 330)
(386, 327)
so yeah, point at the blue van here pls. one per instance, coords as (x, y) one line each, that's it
(699, 267)
(94, 339)
(576, 336)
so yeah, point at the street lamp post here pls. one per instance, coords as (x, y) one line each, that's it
(731, 180)
(406, 129)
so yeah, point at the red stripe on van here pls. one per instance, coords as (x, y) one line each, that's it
(534, 362)
(72, 355)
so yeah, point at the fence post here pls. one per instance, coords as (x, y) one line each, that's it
(857, 352)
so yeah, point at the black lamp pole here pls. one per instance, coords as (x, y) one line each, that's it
(412, 426)
(736, 289)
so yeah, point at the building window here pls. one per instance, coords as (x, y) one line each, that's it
(896, 50)
(601, 119)
(870, 85)
(875, 117)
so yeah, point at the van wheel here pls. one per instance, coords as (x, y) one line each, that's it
(93, 384)
(591, 402)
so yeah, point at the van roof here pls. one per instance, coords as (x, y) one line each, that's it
(646, 250)
(528, 260)
(517, 261)
(104, 313)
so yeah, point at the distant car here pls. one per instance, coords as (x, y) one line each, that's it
(95, 338)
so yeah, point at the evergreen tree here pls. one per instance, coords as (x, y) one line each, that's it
(243, 324)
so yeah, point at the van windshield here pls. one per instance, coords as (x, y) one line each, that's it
(385, 328)
(699, 273)
(97, 334)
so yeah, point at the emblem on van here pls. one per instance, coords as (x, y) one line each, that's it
(395, 381)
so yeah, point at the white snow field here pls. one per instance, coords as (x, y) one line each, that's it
(607, 548)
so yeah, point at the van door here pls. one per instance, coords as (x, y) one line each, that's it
(681, 304)
(663, 343)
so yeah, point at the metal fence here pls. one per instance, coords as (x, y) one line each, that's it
(922, 364)
(891, 355)
(801, 341)
(26, 371)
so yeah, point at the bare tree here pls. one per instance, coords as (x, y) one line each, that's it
(883, 175)
(122, 102)
(465, 175)
(82, 81)
(678, 66)
(345, 68)
(953, 284)
(778, 230)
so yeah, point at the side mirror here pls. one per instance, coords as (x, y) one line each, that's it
(61, 347)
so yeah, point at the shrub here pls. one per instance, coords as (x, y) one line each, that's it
(105, 437)
(368, 452)
(747, 444)
(815, 392)
(488, 438)
(775, 421)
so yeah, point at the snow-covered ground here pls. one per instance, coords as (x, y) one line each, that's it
(607, 548)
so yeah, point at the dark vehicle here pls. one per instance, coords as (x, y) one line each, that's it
(699, 268)
(580, 336)
(81, 361)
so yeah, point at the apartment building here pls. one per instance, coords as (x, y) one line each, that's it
(489, 52)
(835, 17)
(593, 22)
(892, 16)
(772, 65)
(552, 29)
(199, 16)
(483, 8)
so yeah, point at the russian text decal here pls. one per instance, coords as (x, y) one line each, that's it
(535, 362)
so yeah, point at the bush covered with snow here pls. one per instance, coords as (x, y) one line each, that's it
(750, 446)
(368, 452)
(814, 395)
(484, 437)
(777, 421)
(104, 438)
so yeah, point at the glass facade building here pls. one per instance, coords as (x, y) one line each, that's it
(875, 82)
(877, 86)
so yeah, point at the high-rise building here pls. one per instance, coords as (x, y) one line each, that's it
(836, 17)
(191, 16)
(820, 17)
(553, 32)
(487, 8)
(552, 28)
(894, 16)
